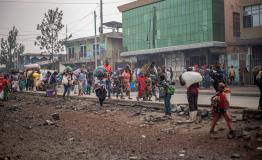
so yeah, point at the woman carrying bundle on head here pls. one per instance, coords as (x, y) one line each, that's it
(100, 86)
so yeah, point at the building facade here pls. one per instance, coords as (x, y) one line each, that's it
(82, 50)
(250, 38)
(251, 29)
(178, 33)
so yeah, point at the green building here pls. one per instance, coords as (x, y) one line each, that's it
(175, 33)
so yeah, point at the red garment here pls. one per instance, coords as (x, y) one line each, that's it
(141, 86)
(3, 83)
(222, 104)
(216, 117)
(193, 89)
(108, 70)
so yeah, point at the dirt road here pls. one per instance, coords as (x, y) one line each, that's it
(114, 133)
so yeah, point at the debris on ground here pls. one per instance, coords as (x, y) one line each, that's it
(55, 116)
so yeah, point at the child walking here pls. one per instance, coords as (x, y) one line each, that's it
(220, 108)
(166, 90)
(100, 90)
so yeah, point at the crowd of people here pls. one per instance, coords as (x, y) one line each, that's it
(149, 81)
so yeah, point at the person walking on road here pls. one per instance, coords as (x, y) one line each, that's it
(192, 97)
(232, 74)
(217, 75)
(126, 75)
(108, 69)
(153, 73)
(67, 81)
(53, 82)
(220, 106)
(141, 87)
(166, 90)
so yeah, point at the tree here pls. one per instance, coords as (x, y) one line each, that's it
(11, 50)
(50, 28)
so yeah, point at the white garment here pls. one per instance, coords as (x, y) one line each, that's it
(168, 76)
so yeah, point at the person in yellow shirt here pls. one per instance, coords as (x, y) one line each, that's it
(36, 77)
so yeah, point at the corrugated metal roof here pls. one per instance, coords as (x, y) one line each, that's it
(174, 48)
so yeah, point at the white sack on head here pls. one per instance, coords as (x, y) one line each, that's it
(191, 78)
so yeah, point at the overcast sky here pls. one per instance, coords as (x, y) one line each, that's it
(26, 14)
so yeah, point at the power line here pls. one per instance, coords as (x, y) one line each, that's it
(44, 2)
(60, 3)
(80, 19)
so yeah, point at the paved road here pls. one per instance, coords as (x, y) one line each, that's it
(250, 102)
(238, 101)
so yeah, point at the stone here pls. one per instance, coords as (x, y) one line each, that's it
(181, 155)
(143, 136)
(55, 116)
(71, 139)
(235, 155)
(179, 109)
(28, 127)
(204, 113)
(259, 148)
(133, 158)
(181, 113)
(48, 122)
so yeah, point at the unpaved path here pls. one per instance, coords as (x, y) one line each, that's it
(112, 133)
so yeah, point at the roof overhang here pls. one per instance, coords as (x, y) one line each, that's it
(136, 4)
(174, 48)
(253, 41)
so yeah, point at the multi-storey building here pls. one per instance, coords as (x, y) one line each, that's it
(82, 50)
(251, 29)
(175, 33)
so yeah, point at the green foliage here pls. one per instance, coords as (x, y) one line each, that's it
(11, 50)
(50, 28)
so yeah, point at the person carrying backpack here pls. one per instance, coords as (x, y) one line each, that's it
(220, 106)
(166, 90)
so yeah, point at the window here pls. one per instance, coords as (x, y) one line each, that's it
(82, 51)
(97, 49)
(71, 52)
(252, 16)
(236, 24)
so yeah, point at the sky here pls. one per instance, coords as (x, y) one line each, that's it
(78, 15)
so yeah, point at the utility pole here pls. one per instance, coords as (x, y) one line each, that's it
(101, 17)
(66, 32)
(101, 29)
(95, 40)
